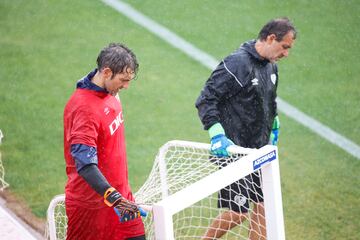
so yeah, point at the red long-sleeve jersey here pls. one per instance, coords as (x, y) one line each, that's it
(95, 119)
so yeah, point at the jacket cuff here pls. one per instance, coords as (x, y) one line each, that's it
(276, 123)
(216, 129)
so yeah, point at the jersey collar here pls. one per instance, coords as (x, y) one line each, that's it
(85, 83)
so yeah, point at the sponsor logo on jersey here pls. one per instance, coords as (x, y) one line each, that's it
(273, 78)
(106, 110)
(115, 124)
(255, 81)
(264, 159)
(92, 155)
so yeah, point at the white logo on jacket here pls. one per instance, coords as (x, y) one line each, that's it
(116, 123)
(273, 78)
(255, 81)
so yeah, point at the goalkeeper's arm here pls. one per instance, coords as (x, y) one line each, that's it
(125, 209)
(92, 175)
(86, 164)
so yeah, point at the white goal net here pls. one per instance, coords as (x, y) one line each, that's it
(192, 193)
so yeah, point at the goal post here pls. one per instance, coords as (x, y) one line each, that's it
(56, 219)
(265, 158)
(184, 187)
(273, 200)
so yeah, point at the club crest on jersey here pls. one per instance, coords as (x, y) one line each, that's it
(106, 110)
(115, 124)
(240, 200)
(273, 78)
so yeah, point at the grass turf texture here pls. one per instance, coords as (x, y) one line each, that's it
(47, 46)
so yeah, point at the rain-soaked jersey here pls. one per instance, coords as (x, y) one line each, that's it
(95, 119)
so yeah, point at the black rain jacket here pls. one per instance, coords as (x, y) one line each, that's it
(240, 94)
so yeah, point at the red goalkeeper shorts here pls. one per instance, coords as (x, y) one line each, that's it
(100, 224)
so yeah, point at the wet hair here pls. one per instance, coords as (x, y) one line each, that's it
(117, 57)
(278, 26)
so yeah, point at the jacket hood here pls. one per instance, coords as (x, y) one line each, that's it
(249, 47)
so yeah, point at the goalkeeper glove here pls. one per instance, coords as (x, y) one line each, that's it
(125, 209)
(275, 131)
(219, 142)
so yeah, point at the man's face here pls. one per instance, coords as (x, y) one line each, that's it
(279, 49)
(119, 81)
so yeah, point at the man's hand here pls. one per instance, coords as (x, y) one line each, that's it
(125, 209)
(275, 131)
(125, 215)
(219, 142)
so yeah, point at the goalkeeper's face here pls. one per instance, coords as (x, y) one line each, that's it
(116, 82)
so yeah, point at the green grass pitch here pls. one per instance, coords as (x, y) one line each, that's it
(46, 46)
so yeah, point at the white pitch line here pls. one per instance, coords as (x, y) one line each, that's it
(11, 228)
(319, 128)
(210, 62)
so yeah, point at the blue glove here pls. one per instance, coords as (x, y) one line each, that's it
(274, 136)
(219, 144)
(143, 213)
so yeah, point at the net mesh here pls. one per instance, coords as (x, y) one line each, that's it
(211, 217)
(216, 216)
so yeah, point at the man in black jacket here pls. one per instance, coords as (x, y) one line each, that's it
(238, 105)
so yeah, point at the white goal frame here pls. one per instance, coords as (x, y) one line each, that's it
(170, 205)
(265, 158)
(51, 227)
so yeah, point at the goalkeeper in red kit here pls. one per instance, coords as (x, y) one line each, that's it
(99, 203)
